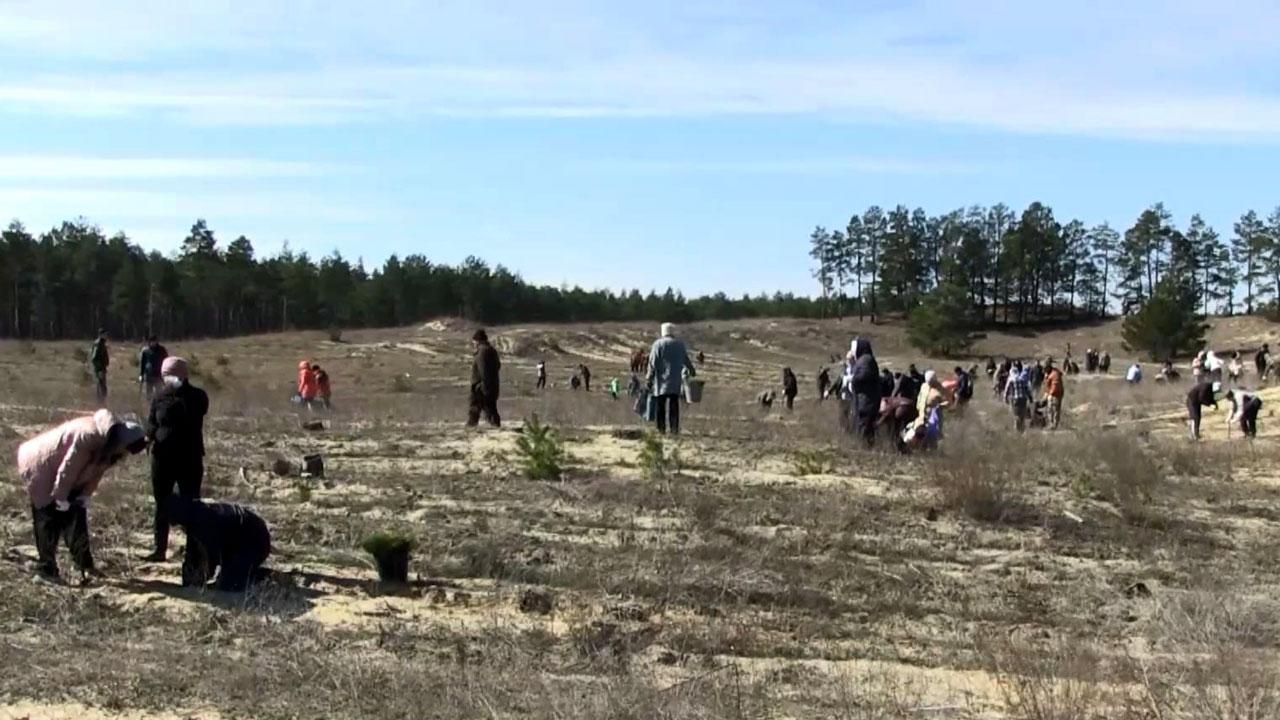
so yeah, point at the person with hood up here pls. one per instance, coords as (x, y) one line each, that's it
(865, 385)
(790, 387)
(61, 469)
(307, 388)
(99, 362)
(225, 538)
(175, 427)
(485, 369)
(1203, 394)
(1017, 393)
(1054, 392)
(668, 363)
(824, 382)
(150, 361)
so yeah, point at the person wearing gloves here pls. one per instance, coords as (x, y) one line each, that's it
(1204, 394)
(175, 426)
(668, 363)
(864, 385)
(61, 469)
(220, 535)
(1245, 407)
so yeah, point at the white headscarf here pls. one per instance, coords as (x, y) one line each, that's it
(668, 329)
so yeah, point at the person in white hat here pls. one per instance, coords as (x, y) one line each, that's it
(176, 428)
(62, 469)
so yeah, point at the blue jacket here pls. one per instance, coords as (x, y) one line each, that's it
(667, 361)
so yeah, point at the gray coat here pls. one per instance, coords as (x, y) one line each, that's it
(667, 359)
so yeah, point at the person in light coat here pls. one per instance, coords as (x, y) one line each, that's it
(61, 469)
(668, 363)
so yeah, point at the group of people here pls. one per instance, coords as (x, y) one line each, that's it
(314, 387)
(63, 467)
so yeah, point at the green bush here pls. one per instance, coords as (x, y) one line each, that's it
(386, 542)
(812, 462)
(542, 454)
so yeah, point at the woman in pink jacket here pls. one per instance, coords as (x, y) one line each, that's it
(62, 468)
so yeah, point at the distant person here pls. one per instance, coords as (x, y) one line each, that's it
(765, 399)
(933, 398)
(485, 370)
(865, 386)
(1002, 377)
(1134, 375)
(175, 427)
(1037, 377)
(635, 386)
(917, 378)
(1168, 373)
(1262, 361)
(586, 377)
(225, 538)
(702, 359)
(888, 383)
(668, 361)
(790, 387)
(615, 386)
(324, 389)
(542, 375)
(62, 469)
(907, 385)
(1213, 366)
(1245, 407)
(575, 382)
(824, 382)
(1054, 393)
(99, 362)
(1235, 368)
(896, 415)
(964, 386)
(307, 388)
(150, 361)
(1203, 394)
(1104, 362)
(991, 367)
(1017, 393)
(1197, 367)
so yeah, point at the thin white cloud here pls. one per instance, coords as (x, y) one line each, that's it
(868, 165)
(68, 167)
(126, 207)
(1147, 68)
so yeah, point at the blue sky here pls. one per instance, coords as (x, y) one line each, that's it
(687, 143)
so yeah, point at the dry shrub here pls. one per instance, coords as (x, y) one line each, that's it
(981, 484)
(1061, 680)
(1216, 662)
(1130, 477)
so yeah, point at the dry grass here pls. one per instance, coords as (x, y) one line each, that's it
(773, 569)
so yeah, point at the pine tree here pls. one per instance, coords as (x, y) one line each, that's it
(820, 252)
(1105, 245)
(942, 324)
(1167, 325)
(1247, 249)
(875, 230)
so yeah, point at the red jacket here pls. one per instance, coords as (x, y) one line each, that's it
(307, 386)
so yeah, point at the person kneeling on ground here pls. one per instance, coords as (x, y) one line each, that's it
(1245, 407)
(1202, 395)
(62, 468)
(220, 535)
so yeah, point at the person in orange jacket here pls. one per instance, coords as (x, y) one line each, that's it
(307, 386)
(1054, 392)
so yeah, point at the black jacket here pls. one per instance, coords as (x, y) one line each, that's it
(176, 422)
(1202, 396)
(150, 360)
(790, 385)
(99, 356)
(484, 371)
(218, 534)
(866, 381)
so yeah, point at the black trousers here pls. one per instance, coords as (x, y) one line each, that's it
(542, 382)
(72, 526)
(791, 400)
(187, 475)
(1249, 417)
(100, 376)
(486, 405)
(668, 414)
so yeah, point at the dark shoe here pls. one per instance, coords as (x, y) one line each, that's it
(156, 557)
(49, 575)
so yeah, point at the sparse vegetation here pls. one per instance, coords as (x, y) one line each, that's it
(812, 462)
(390, 551)
(655, 461)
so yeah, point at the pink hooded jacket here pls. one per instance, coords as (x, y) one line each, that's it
(65, 460)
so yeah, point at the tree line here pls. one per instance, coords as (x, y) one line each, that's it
(1029, 268)
(72, 280)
